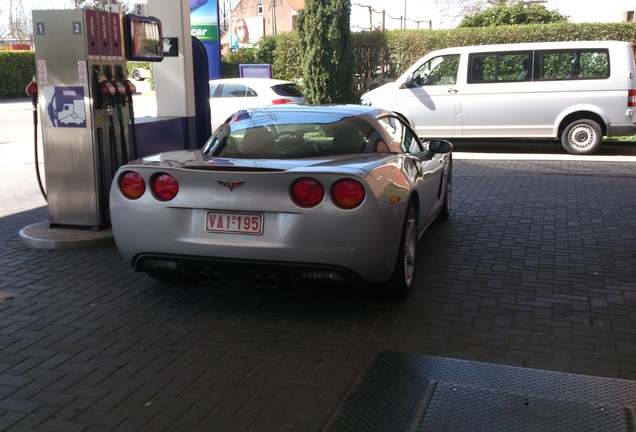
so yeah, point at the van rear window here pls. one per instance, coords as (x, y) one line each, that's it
(579, 64)
(541, 65)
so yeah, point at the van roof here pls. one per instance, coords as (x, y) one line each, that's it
(534, 46)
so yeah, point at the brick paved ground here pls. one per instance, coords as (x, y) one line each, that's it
(535, 268)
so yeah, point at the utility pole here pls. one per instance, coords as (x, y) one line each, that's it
(273, 7)
(404, 14)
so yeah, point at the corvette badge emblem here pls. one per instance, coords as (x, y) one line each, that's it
(231, 185)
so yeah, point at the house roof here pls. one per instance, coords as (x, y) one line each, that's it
(295, 4)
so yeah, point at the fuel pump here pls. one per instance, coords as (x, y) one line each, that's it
(81, 59)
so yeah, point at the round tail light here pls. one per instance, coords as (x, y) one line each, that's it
(347, 193)
(307, 192)
(131, 185)
(165, 187)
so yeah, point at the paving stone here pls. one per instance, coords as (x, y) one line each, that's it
(535, 268)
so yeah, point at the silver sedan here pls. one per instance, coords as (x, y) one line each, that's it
(337, 194)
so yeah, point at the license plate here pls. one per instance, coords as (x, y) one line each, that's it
(236, 223)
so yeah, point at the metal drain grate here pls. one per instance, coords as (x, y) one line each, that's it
(406, 392)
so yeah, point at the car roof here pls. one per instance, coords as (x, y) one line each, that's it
(250, 81)
(344, 110)
(347, 109)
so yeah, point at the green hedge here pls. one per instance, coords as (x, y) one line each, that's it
(16, 70)
(380, 56)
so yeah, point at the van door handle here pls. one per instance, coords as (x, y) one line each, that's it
(452, 90)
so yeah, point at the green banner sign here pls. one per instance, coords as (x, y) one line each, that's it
(204, 32)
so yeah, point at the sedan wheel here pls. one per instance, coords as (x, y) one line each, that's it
(401, 282)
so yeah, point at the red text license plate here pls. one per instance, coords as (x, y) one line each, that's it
(241, 223)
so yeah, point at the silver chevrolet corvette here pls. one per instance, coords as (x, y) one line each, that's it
(337, 194)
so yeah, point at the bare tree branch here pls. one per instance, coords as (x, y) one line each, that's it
(4, 29)
(455, 9)
(20, 26)
(225, 9)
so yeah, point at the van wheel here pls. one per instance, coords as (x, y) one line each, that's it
(582, 137)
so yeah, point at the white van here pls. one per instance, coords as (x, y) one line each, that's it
(575, 91)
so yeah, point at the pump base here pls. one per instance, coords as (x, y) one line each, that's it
(42, 236)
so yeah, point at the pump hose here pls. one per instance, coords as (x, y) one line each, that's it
(35, 144)
(131, 113)
(122, 136)
(114, 164)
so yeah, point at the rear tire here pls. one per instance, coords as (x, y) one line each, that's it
(448, 195)
(582, 137)
(401, 283)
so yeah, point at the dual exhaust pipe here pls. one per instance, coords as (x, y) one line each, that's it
(211, 275)
(270, 280)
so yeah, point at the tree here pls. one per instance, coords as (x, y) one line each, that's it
(511, 15)
(4, 27)
(225, 9)
(19, 25)
(456, 9)
(326, 51)
(101, 4)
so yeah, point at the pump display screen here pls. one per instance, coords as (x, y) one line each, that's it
(143, 38)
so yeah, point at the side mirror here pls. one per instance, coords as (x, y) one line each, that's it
(439, 146)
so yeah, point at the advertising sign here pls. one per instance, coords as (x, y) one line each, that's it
(248, 30)
(204, 25)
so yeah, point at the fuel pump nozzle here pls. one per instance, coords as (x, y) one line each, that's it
(108, 92)
(32, 90)
(120, 102)
(130, 90)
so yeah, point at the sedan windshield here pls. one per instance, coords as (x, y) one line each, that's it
(255, 138)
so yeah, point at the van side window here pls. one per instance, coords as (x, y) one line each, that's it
(440, 70)
(542, 65)
(500, 67)
(573, 64)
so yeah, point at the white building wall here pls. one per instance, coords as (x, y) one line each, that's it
(581, 11)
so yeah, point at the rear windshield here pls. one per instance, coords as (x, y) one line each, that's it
(245, 139)
(287, 90)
